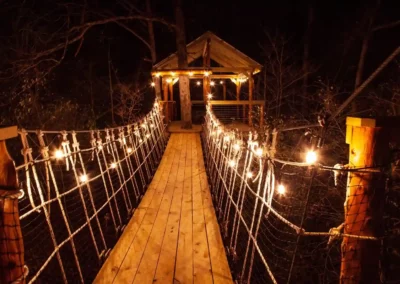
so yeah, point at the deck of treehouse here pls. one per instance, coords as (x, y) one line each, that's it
(173, 236)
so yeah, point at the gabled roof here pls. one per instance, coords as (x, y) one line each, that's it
(220, 51)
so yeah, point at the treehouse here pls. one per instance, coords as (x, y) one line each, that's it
(219, 74)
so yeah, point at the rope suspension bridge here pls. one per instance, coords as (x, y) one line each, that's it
(113, 206)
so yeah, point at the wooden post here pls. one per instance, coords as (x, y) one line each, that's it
(166, 104)
(251, 88)
(206, 88)
(261, 115)
(238, 86)
(157, 87)
(224, 91)
(171, 99)
(369, 147)
(11, 243)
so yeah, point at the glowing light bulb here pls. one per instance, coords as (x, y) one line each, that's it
(83, 178)
(198, 83)
(213, 133)
(59, 154)
(311, 157)
(281, 189)
(124, 140)
(140, 140)
(249, 174)
(113, 165)
(190, 74)
(221, 82)
(259, 152)
(147, 135)
(219, 131)
(169, 80)
(157, 75)
(152, 84)
(206, 73)
(232, 163)
(152, 125)
(209, 96)
(227, 138)
(236, 147)
(129, 150)
(100, 147)
(143, 125)
(212, 83)
(173, 74)
(22, 194)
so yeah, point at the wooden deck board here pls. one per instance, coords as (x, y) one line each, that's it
(173, 236)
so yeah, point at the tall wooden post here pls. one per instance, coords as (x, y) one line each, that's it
(369, 148)
(238, 86)
(206, 88)
(251, 88)
(171, 100)
(166, 104)
(11, 243)
(157, 87)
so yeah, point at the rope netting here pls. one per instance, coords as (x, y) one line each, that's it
(282, 220)
(79, 190)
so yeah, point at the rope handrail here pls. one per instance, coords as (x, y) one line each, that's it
(79, 190)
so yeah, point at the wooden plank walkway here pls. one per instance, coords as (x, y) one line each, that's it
(173, 236)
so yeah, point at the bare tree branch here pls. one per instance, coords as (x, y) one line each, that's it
(387, 26)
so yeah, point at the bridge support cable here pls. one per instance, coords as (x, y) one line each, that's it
(81, 188)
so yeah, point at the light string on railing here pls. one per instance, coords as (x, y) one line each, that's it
(233, 175)
(103, 172)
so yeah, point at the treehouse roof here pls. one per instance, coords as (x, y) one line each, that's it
(220, 51)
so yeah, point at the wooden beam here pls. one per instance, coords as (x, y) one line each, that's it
(234, 102)
(177, 72)
(202, 70)
(251, 88)
(165, 106)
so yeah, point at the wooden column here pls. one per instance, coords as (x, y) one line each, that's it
(11, 243)
(238, 86)
(251, 88)
(368, 141)
(206, 88)
(171, 99)
(157, 87)
(166, 104)
(224, 91)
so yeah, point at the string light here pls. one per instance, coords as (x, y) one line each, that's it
(100, 147)
(157, 75)
(311, 157)
(281, 189)
(209, 96)
(227, 138)
(232, 163)
(249, 174)
(147, 135)
(190, 74)
(143, 125)
(219, 131)
(221, 82)
(152, 125)
(22, 194)
(212, 83)
(169, 80)
(83, 178)
(173, 74)
(113, 165)
(206, 73)
(236, 147)
(129, 150)
(259, 152)
(59, 154)
(198, 83)
(140, 140)
(152, 84)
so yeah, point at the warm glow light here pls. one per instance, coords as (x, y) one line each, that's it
(206, 73)
(232, 163)
(152, 84)
(152, 125)
(209, 96)
(83, 178)
(236, 147)
(147, 135)
(249, 174)
(59, 154)
(124, 140)
(219, 131)
(169, 80)
(221, 82)
(100, 147)
(281, 189)
(212, 83)
(198, 83)
(311, 157)
(213, 133)
(140, 140)
(113, 165)
(259, 152)
(190, 74)
(157, 75)
(129, 150)
(227, 138)
(22, 194)
(143, 125)
(173, 74)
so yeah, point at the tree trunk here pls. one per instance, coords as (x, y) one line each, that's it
(184, 90)
(306, 55)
